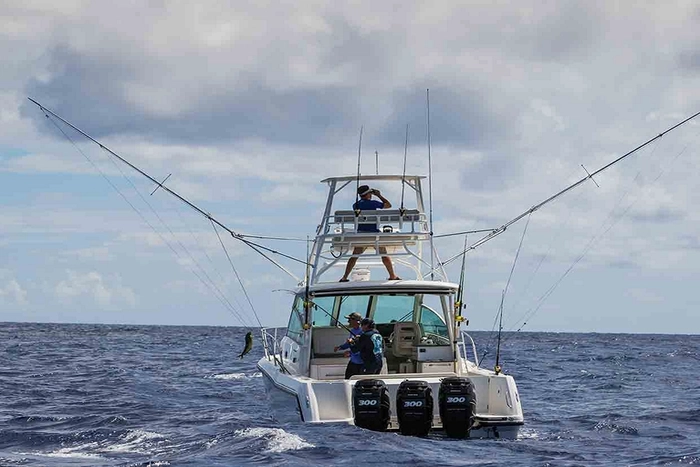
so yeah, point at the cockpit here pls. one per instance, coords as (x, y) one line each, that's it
(417, 338)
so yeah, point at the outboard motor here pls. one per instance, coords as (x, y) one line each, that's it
(457, 401)
(414, 408)
(371, 402)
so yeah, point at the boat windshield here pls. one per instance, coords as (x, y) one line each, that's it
(428, 310)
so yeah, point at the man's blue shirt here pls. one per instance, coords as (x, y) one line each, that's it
(354, 356)
(368, 205)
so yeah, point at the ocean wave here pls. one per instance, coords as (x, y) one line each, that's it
(136, 441)
(615, 428)
(229, 376)
(72, 452)
(278, 440)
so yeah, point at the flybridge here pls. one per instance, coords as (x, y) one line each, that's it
(401, 234)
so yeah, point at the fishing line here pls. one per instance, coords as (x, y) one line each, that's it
(337, 321)
(221, 298)
(602, 233)
(212, 283)
(536, 207)
(503, 294)
(172, 192)
(245, 292)
(464, 232)
(265, 237)
(176, 207)
(550, 244)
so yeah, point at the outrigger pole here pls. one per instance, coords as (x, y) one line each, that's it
(255, 246)
(501, 229)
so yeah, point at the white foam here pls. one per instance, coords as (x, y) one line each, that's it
(71, 452)
(278, 440)
(134, 441)
(138, 441)
(528, 434)
(229, 376)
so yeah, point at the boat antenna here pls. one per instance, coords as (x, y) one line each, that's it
(376, 161)
(357, 187)
(402, 209)
(497, 366)
(430, 190)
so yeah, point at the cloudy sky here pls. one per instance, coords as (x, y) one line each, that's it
(248, 105)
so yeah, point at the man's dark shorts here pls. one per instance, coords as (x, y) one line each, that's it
(353, 369)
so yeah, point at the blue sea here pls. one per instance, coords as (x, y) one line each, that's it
(118, 395)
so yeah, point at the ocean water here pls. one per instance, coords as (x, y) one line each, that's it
(116, 395)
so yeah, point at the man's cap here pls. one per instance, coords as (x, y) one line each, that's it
(353, 315)
(367, 322)
(363, 190)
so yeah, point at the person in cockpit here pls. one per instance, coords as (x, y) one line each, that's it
(355, 364)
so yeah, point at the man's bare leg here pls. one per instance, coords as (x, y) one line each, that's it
(388, 265)
(358, 250)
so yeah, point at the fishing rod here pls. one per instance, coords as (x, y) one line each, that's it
(495, 232)
(460, 290)
(307, 302)
(253, 245)
(497, 366)
(330, 315)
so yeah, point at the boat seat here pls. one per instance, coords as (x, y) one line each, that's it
(406, 337)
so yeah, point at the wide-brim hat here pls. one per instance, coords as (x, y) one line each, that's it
(363, 190)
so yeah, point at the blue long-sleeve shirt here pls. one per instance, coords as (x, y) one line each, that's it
(354, 356)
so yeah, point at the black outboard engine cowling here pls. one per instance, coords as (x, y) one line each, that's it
(371, 402)
(457, 401)
(414, 408)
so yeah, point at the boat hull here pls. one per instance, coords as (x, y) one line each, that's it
(297, 398)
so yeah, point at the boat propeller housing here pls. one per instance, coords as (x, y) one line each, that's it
(414, 408)
(371, 404)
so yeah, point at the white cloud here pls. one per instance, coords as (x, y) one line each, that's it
(97, 253)
(105, 293)
(248, 108)
(11, 292)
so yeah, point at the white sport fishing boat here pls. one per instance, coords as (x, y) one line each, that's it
(430, 379)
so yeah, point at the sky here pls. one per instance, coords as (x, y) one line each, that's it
(249, 105)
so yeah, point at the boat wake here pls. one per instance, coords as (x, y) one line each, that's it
(130, 442)
(277, 439)
(236, 376)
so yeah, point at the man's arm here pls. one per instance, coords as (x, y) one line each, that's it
(386, 202)
(342, 346)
